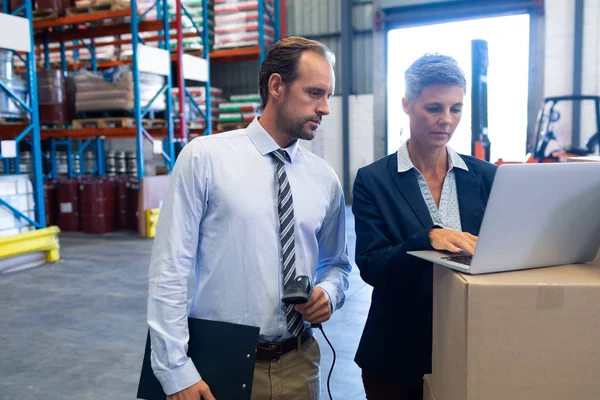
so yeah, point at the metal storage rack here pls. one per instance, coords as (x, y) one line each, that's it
(76, 29)
(31, 131)
(81, 31)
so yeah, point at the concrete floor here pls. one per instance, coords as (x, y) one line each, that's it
(76, 329)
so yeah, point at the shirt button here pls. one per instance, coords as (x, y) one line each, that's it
(247, 355)
(243, 386)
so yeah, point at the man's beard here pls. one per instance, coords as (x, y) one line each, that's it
(295, 127)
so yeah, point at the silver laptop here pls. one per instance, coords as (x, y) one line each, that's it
(538, 215)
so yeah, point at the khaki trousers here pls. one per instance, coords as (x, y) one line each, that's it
(295, 376)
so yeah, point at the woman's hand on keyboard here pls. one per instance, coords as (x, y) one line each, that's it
(453, 241)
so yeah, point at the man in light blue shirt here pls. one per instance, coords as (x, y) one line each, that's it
(246, 211)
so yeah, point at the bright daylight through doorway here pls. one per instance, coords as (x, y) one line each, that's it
(508, 49)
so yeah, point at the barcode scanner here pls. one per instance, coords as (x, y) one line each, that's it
(298, 291)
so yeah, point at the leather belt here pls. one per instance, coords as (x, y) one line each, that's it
(274, 351)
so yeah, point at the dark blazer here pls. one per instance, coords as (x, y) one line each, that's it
(392, 218)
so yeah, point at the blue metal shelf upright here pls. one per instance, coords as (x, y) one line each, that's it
(204, 33)
(31, 132)
(275, 21)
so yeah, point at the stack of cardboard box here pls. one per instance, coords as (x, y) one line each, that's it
(520, 335)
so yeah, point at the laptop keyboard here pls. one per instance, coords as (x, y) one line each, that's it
(466, 260)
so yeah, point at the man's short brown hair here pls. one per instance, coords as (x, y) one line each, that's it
(283, 59)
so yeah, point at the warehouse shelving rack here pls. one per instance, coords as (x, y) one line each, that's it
(23, 47)
(74, 33)
(69, 33)
(77, 30)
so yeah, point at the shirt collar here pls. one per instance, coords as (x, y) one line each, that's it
(264, 143)
(405, 164)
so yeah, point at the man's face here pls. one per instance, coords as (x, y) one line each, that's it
(306, 100)
(435, 114)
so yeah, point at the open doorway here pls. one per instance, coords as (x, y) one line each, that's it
(507, 86)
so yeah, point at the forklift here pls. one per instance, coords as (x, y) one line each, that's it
(545, 136)
(547, 117)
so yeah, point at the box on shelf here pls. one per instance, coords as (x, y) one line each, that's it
(521, 335)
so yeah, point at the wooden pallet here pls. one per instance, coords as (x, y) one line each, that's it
(5, 120)
(116, 122)
(230, 126)
(196, 124)
(42, 14)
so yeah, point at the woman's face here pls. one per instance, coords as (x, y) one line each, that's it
(435, 114)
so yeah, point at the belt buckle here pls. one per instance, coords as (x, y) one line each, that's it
(279, 352)
(275, 348)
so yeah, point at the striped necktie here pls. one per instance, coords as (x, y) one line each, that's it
(286, 234)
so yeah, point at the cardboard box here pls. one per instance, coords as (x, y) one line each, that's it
(584, 159)
(520, 335)
(427, 392)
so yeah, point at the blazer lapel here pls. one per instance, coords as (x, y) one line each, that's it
(468, 186)
(408, 187)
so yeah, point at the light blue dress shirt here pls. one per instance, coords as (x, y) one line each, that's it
(448, 214)
(220, 220)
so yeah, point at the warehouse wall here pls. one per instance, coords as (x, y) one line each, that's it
(559, 52)
(328, 141)
(558, 57)
(321, 20)
(591, 65)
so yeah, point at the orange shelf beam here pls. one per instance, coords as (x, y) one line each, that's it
(233, 55)
(10, 132)
(109, 133)
(100, 31)
(82, 18)
(155, 38)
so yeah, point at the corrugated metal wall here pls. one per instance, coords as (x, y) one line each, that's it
(319, 20)
(235, 78)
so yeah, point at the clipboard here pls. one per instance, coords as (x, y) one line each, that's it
(224, 354)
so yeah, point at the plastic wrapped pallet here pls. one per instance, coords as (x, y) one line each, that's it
(113, 90)
(195, 10)
(17, 191)
(239, 17)
(236, 24)
(8, 107)
(247, 107)
(198, 94)
(125, 51)
(245, 98)
(236, 117)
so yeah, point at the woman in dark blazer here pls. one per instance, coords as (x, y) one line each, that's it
(423, 197)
